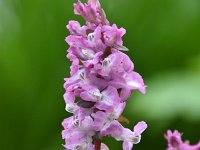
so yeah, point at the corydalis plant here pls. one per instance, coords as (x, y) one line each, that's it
(175, 142)
(102, 78)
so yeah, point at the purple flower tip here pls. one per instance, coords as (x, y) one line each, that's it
(175, 142)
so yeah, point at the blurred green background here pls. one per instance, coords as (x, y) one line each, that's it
(164, 41)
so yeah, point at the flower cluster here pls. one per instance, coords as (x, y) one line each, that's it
(175, 142)
(101, 80)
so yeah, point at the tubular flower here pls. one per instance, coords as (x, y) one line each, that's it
(175, 142)
(101, 80)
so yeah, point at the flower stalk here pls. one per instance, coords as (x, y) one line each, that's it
(97, 145)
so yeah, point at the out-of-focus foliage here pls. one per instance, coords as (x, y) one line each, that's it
(164, 42)
(172, 94)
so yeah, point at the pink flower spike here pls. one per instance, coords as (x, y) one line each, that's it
(101, 80)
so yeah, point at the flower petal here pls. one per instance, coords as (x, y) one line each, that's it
(139, 128)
